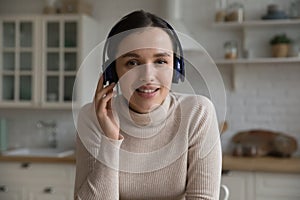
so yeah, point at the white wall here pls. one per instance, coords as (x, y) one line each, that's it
(264, 96)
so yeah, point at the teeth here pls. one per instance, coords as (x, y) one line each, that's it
(146, 91)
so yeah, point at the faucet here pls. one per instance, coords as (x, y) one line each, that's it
(51, 129)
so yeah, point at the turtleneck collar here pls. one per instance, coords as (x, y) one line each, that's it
(144, 125)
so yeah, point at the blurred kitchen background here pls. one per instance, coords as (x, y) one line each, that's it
(254, 43)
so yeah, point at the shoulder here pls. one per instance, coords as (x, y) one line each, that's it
(198, 103)
(196, 111)
(199, 116)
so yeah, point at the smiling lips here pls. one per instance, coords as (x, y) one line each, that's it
(147, 91)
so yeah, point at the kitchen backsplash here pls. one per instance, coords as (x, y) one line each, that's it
(23, 131)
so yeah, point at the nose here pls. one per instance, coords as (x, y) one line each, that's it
(147, 72)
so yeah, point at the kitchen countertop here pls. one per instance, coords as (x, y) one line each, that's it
(266, 164)
(67, 159)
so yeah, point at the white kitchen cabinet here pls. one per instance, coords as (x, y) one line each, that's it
(36, 181)
(40, 56)
(18, 52)
(245, 185)
(49, 192)
(277, 186)
(240, 185)
(11, 191)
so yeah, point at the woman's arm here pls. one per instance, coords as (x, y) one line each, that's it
(94, 180)
(205, 157)
(97, 148)
(204, 175)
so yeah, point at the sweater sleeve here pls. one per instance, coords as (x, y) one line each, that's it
(97, 159)
(204, 157)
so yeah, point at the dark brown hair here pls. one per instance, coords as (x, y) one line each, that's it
(135, 20)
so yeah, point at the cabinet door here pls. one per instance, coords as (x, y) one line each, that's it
(240, 185)
(38, 181)
(10, 191)
(277, 186)
(48, 192)
(61, 60)
(17, 66)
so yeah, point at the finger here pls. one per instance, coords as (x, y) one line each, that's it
(101, 93)
(104, 105)
(101, 97)
(100, 84)
(108, 106)
(107, 97)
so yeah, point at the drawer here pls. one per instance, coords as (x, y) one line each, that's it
(11, 191)
(286, 186)
(37, 172)
(49, 192)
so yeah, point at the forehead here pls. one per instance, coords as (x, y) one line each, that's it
(146, 38)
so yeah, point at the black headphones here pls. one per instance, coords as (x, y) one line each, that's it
(109, 66)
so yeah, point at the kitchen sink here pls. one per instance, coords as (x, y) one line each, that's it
(39, 152)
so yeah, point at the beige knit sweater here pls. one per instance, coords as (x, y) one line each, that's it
(171, 153)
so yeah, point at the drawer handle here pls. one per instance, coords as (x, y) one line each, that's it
(25, 165)
(3, 188)
(225, 172)
(48, 190)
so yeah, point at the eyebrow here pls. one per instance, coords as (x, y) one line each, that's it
(134, 55)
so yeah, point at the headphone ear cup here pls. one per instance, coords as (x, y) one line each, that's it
(109, 72)
(178, 72)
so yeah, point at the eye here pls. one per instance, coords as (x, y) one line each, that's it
(161, 61)
(132, 63)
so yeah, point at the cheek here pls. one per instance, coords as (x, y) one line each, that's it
(127, 80)
(165, 77)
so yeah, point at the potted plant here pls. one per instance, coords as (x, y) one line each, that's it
(280, 45)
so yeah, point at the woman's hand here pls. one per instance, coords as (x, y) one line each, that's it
(104, 112)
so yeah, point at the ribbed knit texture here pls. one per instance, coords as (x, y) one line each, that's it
(171, 153)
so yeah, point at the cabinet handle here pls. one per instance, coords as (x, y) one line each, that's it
(25, 165)
(48, 190)
(3, 188)
(225, 172)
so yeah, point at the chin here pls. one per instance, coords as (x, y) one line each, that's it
(144, 107)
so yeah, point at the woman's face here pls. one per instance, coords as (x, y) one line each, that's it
(144, 66)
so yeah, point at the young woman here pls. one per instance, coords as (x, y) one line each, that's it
(147, 142)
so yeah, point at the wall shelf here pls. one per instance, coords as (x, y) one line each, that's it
(258, 23)
(235, 64)
(257, 61)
